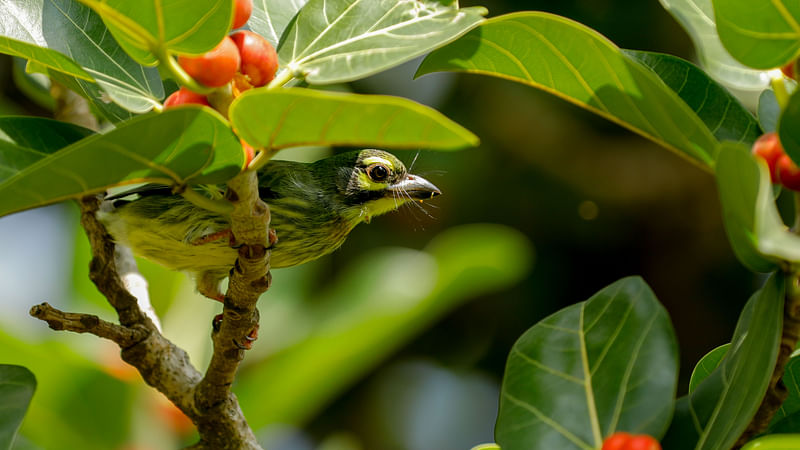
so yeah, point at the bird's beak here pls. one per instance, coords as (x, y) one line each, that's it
(415, 187)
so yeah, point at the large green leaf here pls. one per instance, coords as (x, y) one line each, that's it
(43, 135)
(738, 180)
(145, 28)
(787, 418)
(378, 304)
(177, 147)
(754, 226)
(333, 41)
(604, 365)
(17, 385)
(719, 409)
(48, 58)
(697, 17)
(774, 442)
(788, 131)
(67, 27)
(576, 63)
(760, 34)
(722, 113)
(706, 366)
(295, 116)
(271, 17)
(769, 112)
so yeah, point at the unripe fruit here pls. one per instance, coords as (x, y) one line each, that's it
(184, 96)
(259, 60)
(241, 12)
(769, 148)
(788, 173)
(215, 68)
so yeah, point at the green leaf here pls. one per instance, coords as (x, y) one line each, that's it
(604, 365)
(769, 111)
(271, 17)
(29, 132)
(576, 63)
(716, 413)
(350, 331)
(697, 17)
(706, 365)
(788, 131)
(145, 28)
(774, 442)
(740, 184)
(17, 385)
(292, 117)
(180, 146)
(787, 418)
(72, 29)
(48, 58)
(333, 41)
(759, 34)
(720, 111)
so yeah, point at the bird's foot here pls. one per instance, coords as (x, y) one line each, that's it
(246, 342)
(213, 237)
(273, 238)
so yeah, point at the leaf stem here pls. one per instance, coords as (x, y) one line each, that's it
(218, 206)
(281, 78)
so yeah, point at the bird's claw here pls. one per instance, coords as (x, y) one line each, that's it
(251, 337)
(272, 237)
(247, 342)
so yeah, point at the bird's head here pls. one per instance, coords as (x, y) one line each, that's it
(373, 182)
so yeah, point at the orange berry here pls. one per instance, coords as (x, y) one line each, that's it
(617, 441)
(241, 12)
(215, 68)
(769, 148)
(184, 96)
(259, 60)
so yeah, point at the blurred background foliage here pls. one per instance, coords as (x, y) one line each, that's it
(399, 339)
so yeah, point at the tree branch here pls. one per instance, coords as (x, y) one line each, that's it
(248, 280)
(207, 401)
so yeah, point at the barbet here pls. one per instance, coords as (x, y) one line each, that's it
(314, 207)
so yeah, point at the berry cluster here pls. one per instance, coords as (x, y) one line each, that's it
(781, 168)
(244, 58)
(627, 441)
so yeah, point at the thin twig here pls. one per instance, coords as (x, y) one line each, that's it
(88, 323)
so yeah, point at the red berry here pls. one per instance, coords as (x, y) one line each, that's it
(788, 70)
(768, 147)
(642, 442)
(241, 12)
(259, 60)
(215, 68)
(184, 96)
(788, 173)
(616, 441)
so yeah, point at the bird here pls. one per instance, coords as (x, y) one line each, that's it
(313, 206)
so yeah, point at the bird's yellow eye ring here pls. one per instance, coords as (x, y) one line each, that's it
(378, 173)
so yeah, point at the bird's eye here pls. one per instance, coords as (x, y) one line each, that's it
(378, 172)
